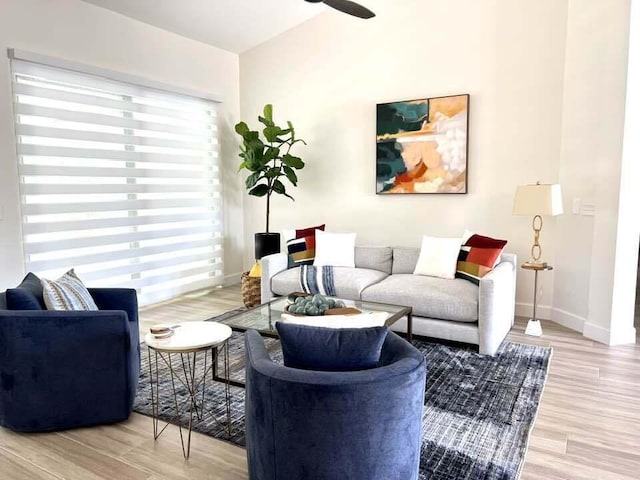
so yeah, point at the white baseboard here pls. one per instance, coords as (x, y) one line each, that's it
(546, 312)
(232, 279)
(597, 333)
(526, 310)
(568, 319)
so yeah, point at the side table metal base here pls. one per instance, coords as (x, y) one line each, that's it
(182, 369)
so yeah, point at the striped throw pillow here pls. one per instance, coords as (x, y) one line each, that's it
(67, 293)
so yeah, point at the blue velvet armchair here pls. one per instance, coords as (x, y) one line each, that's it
(362, 425)
(67, 369)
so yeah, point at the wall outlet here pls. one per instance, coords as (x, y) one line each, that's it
(576, 206)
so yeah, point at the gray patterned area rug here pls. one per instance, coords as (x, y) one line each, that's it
(479, 410)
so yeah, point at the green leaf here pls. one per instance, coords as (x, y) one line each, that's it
(279, 187)
(273, 172)
(293, 131)
(251, 136)
(244, 164)
(270, 153)
(268, 112)
(259, 190)
(242, 128)
(291, 175)
(252, 179)
(293, 162)
(271, 133)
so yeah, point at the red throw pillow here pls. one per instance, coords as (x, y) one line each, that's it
(306, 232)
(478, 256)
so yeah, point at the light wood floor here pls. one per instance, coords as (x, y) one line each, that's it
(588, 426)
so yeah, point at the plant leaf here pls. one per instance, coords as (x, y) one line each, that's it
(270, 153)
(293, 162)
(252, 179)
(271, 133)
(242, 128)
(259, 190)
(274, 172)
(268, 113)
(279, 187)
(291, 175)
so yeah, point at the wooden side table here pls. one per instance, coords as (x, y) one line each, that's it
(534, 327)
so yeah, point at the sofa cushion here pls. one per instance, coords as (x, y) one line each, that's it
(430, 297)
(405, 259)
(331, 349)
(349, 282)
(374, 258)
(26, 296)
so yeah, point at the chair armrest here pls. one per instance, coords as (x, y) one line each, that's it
(496, 306)
(117, 299)
(67, 359)
(271, 265)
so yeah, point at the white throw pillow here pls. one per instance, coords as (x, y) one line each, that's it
(362, 320)
(438, 257)
(335, 249)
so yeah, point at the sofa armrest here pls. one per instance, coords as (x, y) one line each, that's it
(271, 265)
(496, 306)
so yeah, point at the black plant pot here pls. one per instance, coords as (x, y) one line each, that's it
(266, 244)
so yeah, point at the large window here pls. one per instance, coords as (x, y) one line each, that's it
(120, 181)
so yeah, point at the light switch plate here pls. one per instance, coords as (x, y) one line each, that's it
(576, 206)
(588, 209)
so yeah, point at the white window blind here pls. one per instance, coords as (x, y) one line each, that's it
(120, 182)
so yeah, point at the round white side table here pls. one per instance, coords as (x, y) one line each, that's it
(180, 353)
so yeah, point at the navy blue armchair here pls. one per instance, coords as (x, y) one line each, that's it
(67, 369)
(363, 425)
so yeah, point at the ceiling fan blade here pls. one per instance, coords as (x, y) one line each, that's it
(351, 8)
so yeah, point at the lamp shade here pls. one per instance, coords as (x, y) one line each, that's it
(539, 199)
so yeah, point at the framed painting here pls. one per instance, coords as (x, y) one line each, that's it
(422, 145)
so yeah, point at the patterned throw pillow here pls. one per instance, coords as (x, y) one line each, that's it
(67, 293)
(302, 248)
(478, 256)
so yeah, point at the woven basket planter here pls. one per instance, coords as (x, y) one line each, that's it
(250, 290)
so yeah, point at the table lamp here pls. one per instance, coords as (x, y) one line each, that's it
(537, 200)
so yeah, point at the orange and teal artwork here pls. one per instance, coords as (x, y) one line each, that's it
(422, 145)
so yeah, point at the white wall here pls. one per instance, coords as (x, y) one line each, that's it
(80, 32)
(590, 167)
(328, 74)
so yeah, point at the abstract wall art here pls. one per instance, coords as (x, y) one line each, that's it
(422, 145)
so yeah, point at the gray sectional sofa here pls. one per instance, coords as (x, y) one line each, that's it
(448, 309)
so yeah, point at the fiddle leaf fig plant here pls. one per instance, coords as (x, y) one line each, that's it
(269, 158)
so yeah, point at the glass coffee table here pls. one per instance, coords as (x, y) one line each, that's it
(263, 318)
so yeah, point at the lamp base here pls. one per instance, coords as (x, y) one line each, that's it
(534, 328)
